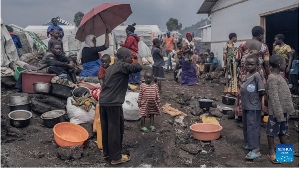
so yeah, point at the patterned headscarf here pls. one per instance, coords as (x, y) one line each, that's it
(188, 35)
(72, 53)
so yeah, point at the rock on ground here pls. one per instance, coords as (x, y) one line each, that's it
(66, 153)
(8, 81)
(179, 120)
(145, 165)
(191, 148)
(215, 112)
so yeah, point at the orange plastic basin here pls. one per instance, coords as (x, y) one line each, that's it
(67, 134)
(206, 131)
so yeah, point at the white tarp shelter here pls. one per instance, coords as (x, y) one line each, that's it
(8, 48)
(41, 31)
(145, 32)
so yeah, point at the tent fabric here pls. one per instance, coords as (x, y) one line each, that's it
(38, 43)
(41, 31)
(26, 48)
(8, 48)
(145, 32)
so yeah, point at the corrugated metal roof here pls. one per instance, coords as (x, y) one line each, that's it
(207, 6)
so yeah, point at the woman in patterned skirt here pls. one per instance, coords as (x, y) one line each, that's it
(253, 46)
(229, 53)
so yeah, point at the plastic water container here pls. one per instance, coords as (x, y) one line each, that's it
(99, 134)
(18, 72)
(29, 78)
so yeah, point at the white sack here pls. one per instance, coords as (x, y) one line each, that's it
(144, 50)
(130, 106)
(78, 115)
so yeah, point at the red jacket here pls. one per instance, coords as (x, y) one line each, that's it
(131, 43)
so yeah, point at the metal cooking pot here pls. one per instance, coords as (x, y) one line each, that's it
(42, 88)
(226, 109)
(81, 92)
(25, 106)
(20, 118)
(18, 99)
(228, 100)
(205, 103)
(51, 118)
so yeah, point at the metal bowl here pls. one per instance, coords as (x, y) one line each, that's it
(228, 100)
(20, 118)
(25, 106)
(18, 99)
(81, 92)
(42, 88)
(226, 109)
(205, 103)
(51, 118)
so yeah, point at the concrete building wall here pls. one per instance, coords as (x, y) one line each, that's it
(206, 34)
(240, 19)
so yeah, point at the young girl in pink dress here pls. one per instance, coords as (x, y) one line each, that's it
(148, 101)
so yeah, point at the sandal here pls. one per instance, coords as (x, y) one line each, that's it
(144, 129)
(273, 159)
(251, 155)
(123, 159)
(247, 148)
(152, 128)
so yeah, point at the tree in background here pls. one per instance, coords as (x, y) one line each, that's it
(77, 18)
(172, 25)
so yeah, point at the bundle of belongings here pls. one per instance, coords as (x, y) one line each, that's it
(85, 103)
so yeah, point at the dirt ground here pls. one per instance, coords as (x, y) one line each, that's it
(172, 145)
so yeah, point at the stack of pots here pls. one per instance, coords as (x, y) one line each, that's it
(19, 101)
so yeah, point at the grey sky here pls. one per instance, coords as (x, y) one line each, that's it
(145, 12)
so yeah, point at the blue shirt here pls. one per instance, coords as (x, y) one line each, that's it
(52, 27)
(214, 60)
(295, 67)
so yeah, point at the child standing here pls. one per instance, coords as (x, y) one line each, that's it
(280, 104)
(55, 40)
(111, 99)
(148, 101)
(158, 70)
(252, 89)
(177, 70)
(294, 74)
(102, 69)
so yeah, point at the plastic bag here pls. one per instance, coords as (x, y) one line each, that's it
(144, 50)
(130, 106)
(78, 115)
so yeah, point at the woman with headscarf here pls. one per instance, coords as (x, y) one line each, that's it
(252, 46)
(188, 75)
(89, 56)
(131, 43)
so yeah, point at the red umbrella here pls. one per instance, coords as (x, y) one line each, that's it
(106, 15)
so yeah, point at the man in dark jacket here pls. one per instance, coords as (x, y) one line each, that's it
(111, 99)
(58, 63)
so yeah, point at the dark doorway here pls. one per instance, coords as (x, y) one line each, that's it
(286, 23)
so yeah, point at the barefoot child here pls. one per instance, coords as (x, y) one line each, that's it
(252, 89)
(102, 69)
(280, 105)
(158, 70)
(148, 101)
(177, 70)
(111, 99)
